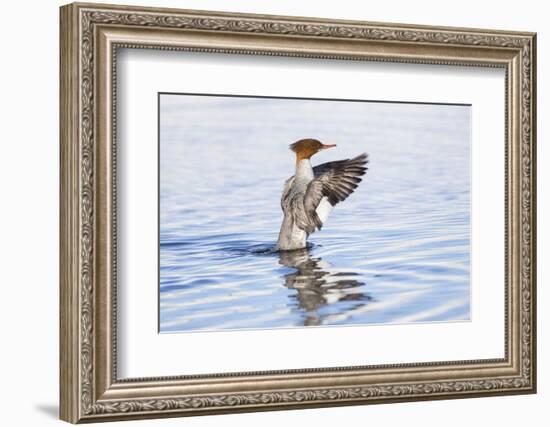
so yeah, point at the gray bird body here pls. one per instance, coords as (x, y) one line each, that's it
(309, 196)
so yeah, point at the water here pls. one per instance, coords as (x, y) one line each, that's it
(396, 251)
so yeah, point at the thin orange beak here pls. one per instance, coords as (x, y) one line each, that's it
(327, 146)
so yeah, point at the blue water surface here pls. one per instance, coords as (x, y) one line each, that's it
(396, 251)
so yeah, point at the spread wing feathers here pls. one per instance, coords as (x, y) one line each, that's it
(339, 179)
(335, 181)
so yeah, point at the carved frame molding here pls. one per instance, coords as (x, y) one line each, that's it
(90, 36)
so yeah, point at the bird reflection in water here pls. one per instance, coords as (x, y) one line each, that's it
(317, 288)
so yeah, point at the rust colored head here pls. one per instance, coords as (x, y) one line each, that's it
(305, 148)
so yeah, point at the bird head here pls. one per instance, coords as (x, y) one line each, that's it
(305, 148)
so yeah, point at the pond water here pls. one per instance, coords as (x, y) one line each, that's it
(396, 251)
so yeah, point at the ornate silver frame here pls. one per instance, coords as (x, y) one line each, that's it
(90, 36)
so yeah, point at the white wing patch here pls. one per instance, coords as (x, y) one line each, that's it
(324, 209)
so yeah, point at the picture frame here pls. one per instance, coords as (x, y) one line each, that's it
(91, 36)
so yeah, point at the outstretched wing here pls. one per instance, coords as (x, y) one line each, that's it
(333, 183)
(339, 179)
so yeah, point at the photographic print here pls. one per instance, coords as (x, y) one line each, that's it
(292, 212)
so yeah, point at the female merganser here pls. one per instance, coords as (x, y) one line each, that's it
(311, 193)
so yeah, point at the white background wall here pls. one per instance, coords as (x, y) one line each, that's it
(29, 171)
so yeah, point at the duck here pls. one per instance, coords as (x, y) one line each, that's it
(310, 195)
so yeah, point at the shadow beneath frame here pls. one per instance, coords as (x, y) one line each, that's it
(50, 410)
